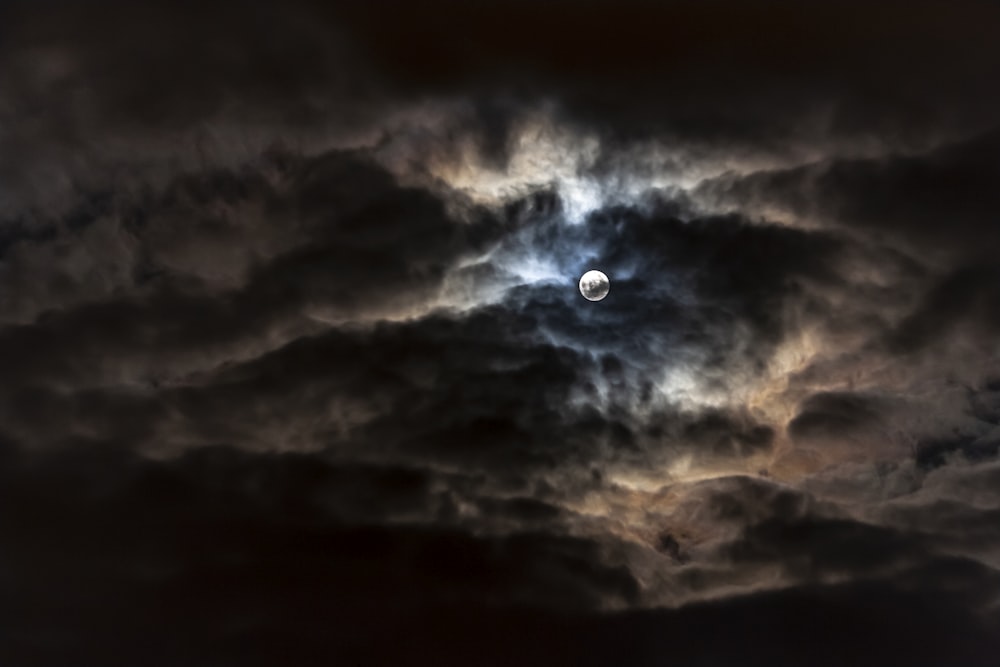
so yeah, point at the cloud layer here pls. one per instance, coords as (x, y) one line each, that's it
(294, 365)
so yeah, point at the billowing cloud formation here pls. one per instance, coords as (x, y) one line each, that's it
(294, 360)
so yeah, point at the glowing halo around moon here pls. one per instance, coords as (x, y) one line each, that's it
(594, 285)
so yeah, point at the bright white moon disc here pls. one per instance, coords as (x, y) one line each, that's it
(594, 285)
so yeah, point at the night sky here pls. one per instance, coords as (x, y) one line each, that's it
(295, 370)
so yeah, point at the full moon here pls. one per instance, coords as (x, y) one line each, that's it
(594, 285)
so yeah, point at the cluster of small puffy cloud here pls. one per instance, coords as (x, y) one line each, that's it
(293, 357)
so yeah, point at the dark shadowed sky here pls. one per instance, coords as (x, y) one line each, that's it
(294, 369)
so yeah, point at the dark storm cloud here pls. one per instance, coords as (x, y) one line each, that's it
(940, 200)
(160, 65)
(82, 76)
(836, 416)
(927, 217)
(941, 197)
(201, 548)
(718, 291)
(273, 388)
(279, 546)
(334, 234)
(804, 542)
(741, 269)
(718, 71)
(955, 510)
(174, 354)
(963, 302)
